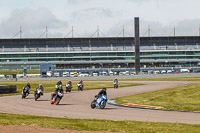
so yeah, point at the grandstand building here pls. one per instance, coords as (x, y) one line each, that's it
(89, 53)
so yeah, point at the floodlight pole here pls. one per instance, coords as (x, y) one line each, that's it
(20, 32)
(46, 32)
(137, 46)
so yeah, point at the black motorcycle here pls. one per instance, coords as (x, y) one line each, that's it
(68, 88)
(55, 99)
(25, 92)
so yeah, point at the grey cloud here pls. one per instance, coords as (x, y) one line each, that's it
(77, 1)
(32, 21)
(183, 28)
(92, 12)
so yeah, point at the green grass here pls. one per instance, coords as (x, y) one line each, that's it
(49, 86)
(97, 125)
(185, 98)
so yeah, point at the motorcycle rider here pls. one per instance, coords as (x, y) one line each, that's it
(55, 94)
(115, 83)
(28, 87)
(58, 83)
(102, 92)
(39, 87)
(69, 84)
(80, 85)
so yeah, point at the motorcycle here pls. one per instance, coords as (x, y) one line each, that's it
(80, 87)
(25, 92)
(68, 88)
(115, 86)
(38, 93)
(56, 99)
(99, 102)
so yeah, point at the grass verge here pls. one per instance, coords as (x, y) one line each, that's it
(185, 98)
(49, 86)
(96, 125)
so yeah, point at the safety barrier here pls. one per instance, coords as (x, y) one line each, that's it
(5, 89)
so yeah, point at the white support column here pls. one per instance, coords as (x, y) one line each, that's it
(68, 48)
(47, 48)
(111, 47)
(154, 46)
(176, 46)
(25, 48)
(197, 45)
(90, 47)
(2, 48)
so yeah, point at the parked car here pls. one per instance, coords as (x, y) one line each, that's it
(163, 71)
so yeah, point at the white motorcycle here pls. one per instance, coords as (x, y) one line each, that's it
(38, 93)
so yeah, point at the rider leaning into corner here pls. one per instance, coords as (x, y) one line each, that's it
(58, 83)
(40, 87)
(69, 82)
(27, 86)
(102, 92)
(54, 95)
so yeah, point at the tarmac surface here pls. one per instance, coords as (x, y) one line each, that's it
(77, 105)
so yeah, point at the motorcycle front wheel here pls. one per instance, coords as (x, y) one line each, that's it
(103, 104)
(57, 100)
(93, 104)
(36, 97)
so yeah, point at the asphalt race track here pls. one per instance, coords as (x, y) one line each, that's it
(77, 105)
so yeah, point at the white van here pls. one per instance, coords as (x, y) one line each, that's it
(83, 75)
(95, 74)
(163, 71)
(111, 73)
(156, 72)
(133, 73)
(169, 71)
(49, 73)
(184, 71)
(71, 74)
(56, 74)
(65, 74)
(104, 73)
(127, 73)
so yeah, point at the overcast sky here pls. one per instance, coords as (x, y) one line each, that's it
(109, 15)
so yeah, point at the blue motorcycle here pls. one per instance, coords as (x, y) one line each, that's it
(99, 102)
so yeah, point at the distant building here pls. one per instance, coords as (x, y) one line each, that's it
(113, 52)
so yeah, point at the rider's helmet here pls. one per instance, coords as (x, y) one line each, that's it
(115, 78)
(28, 84)
(104, 89)
(40, 85)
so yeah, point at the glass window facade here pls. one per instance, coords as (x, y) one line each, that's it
(93, 50)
